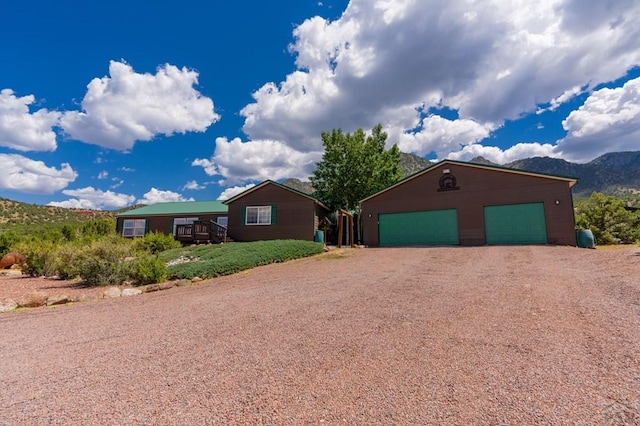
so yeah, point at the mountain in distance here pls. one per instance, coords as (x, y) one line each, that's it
(615, 173)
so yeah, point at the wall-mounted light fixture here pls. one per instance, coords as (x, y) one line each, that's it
(446, 171)
(557, 202)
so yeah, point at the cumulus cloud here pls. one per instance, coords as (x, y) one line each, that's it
(22, 130)
(127, 107)
(239, 162)
(193, 186)
(499, 156)
(608, 121)
(233, 191)
(19, 173)
(157, 196)
(489, 60)
(442, 136)
(94, 199)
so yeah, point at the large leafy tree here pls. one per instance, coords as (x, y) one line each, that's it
(354, 166)
(608, 219)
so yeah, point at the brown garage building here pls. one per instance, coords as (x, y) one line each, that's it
(454, 202)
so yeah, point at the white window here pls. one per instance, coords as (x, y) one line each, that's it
(222, 220)
(133, 227)
(258, 215)
(182, 221)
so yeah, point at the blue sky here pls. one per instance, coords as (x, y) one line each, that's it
(113, 104)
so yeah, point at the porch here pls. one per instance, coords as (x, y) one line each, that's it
(201, 231)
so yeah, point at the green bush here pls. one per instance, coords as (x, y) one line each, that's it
(146, 270)
(67, 261)
(608, 219)
(8, 240)
(155, 242)
(103, 263)
(224, 259)
(40, 257)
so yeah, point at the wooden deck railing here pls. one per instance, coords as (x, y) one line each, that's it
(201, 231)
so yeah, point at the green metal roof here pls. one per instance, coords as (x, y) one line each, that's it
(178, 208)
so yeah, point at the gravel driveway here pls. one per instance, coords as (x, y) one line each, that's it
(455, 335)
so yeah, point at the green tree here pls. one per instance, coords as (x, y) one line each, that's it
(608, 219)
(7, 241)
(354, 166)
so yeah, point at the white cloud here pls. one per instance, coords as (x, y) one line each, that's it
(442, 136)
(499, 156)
(240, 162)
(19, 173)
(608, 121)
(157, 196)
(193, 186)
(94, 199)
(22, 130)
(103, 174)
(488, 60)
(566, 96)
(127, 107)
(233, 191)
(117, 183)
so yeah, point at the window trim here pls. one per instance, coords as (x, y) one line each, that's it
(266, 210)
(135, 225)
(226, 219)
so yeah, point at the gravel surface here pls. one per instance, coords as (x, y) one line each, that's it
(483, 335)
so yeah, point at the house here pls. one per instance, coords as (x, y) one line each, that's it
(459, 203)
(190, 221)
(272, 211)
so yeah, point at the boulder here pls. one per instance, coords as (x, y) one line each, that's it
(112, 293)
(131, 292)
(151, 287)
(33, 300)
(7, 304)
(10, 259)
(58, 300)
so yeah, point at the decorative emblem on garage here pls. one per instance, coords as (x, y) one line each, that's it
(448, 182)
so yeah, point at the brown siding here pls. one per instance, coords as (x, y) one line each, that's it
(164, 224)
(296, 215)
(478, 188)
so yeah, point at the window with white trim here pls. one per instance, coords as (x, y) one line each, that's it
(182, 221)
(134, 227)
(258, 215)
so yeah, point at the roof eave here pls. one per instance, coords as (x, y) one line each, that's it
(570, 180)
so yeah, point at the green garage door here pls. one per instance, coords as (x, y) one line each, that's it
(515, 224)
(436, 227)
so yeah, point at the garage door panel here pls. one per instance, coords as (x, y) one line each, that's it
(515, 224)
(436, 227)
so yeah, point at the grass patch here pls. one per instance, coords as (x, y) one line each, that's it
(216, 260)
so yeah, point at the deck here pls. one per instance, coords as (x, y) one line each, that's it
(201, 231)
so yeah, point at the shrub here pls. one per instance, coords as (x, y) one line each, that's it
(103, 262)
(146, 270)
(225, 259)
(40, 257)
(7, 241)
(67, 261)
(155, 242)
(607, 217)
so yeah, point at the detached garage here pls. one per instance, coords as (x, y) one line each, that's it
(458, 203)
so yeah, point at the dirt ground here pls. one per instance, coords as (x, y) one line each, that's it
(454, 335)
